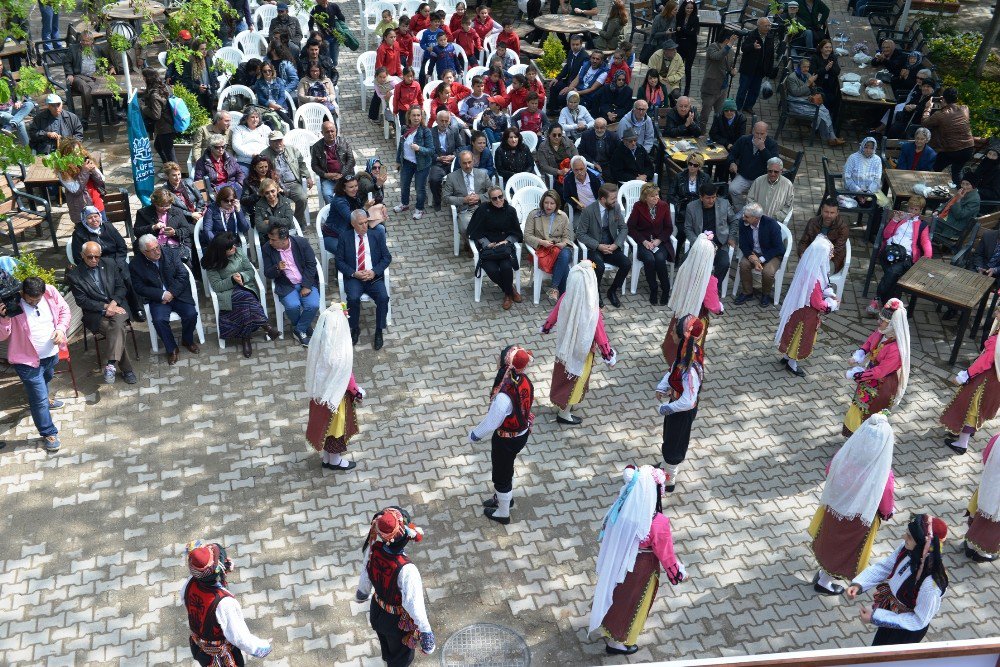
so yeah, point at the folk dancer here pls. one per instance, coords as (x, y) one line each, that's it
(809, 298)
(635, 543)
(582, 332)
(982, 540)
(695, 292)
(333, 394)
(979, 397)
(857, 497)
(909, 584)
(397, 613)
(882, 367)
(678, 392)
(219, 633)
(510, 419)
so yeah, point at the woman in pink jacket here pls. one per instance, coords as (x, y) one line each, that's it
(905, 239)
(37, 333)
(979, 397)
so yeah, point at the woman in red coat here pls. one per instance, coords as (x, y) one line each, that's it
(650, 227)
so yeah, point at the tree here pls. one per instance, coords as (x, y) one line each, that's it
(982, 55)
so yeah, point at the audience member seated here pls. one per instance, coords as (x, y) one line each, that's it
(345, 202)
(591, 76)
(99, 289)
(224, 215)
(630, 161)
(260, 170)
(248, 139)
(447, 140)
(233, 279)
(219, 166)
(51, 123)
(312, 55)
(113, 249)
(186, 196)
(317, 87)
(281, 58)
(290, 24)
(161, 281)
(728, 126)
(581, 187)
(682, 120)
(905, 239)
(830, 224)
(270, 91)
(801, 88)
(986, 259)
(166, 224)
(889, 57)
(916, 155)
(671, 69)
(638, 121)
(956, 218)
(512, 156)
(652, 92)
(291, 263)
(863, 170)
(83, 59)
(371, 181)
(683, 190)
(774, 192)
(465, 189)
(576, 57)
(614, 99)
(912, 112)
(713, 214)
(331, 158)
(273, 208)
(763, 249)
(553, 155)
(291, 169)
(988, 175)
(530, 119)
(601, 228)
(574, 118)
(902, 110)
(650, 226)
(748, 161)
(548, 232)
(246, 73)
(597, 145)
(482, 156)
(362, 257)
(952, 137)
(495, 229)
(15, 110)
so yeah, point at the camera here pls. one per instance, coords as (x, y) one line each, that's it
(10, 294)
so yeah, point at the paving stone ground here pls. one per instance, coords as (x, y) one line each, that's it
(91, 562)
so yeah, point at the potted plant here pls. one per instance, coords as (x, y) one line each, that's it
(199, 118)
(553, 57)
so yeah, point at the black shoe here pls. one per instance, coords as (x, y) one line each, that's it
(794, 371)
(669, 488)
(822, 590)
(139, 316)
(437, 207)
(492, 502)
(977, 557)
(652, 297)
(488, 513)
(355, 335)
(574, 421)
(621, 651)
(664, 298)
(613, 298)
(950, 444)
(351, 465)
(377, 343)
(742, 298)
(765, 301)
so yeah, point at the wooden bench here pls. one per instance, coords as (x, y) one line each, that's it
(530, 51)
(19, 213)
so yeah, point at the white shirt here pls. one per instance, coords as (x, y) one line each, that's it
(410, 586)
(408, 153)
(500, 408)
(368, 252)
(928, 597)
(904, 235)
(229, 614)
(41, 324)
(691, 380)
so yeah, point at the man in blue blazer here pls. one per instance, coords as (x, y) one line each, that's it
(291, 263)
(363, 257)
(763, 249)
(161, 280)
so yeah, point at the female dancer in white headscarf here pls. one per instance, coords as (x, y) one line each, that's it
(982, 541)
(580, 334)
(978, 399)
(809, 297)
(857, 497)
(695, 292)
(635, 542)
(333, 393)
(882, 367)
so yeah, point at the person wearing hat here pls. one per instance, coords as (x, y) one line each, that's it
(909, 584)
(678, 391)
(720, 68)
(670, 66)
(727, 126)
(510, 419)
(219, 632)
(291, 168)
(113, 249)
(51, 123)
(397, 613)
(288, 23)
(630, 161)
(978, 398)
(219, 165)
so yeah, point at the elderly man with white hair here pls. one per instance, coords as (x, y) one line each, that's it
(682, 120)
(911, 101)
(772, 191)
(638, 120)
(762, 248)
(581, 187)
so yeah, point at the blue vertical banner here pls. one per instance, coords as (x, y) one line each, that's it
(141, 152)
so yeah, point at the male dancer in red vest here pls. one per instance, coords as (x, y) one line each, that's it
(219, 633)
(397, 612)
(510, 419)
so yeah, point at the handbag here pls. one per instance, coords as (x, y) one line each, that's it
(496, 254)
(547, 257)
(895, 253)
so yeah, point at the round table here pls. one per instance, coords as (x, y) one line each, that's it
(565, 23)
(125, 10)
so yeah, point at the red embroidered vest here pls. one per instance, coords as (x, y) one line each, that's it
(201, 600)
(676, 382)
(383, 571)
(522, 394)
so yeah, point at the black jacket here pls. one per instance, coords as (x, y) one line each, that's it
(757, 62)
(588, 147)
(305, 260)
(148, 281)
(75, 60)
(751, 165)
(67, 124)
(509, 162)
(573, 64)
(88, 298)
(725, 134)
(675, 126)
(187, 79)
(112, 244)
(679, 195)
(625, 166)
(607, 99)
(146, 218)
(570, 188)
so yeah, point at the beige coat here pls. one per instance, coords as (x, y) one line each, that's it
(536, 229)
(672, 74)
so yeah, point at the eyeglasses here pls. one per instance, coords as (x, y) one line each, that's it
(497, 198)
(694, 164)
(91, 256)
(226, 201)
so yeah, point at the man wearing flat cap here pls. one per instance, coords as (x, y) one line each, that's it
(630, 161)
(670, 66)
(291, 169)
(51, 123)
(288, 23)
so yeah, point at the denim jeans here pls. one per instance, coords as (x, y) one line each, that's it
(749, 90)
(330, 243)
(50, 24)
(36, 386)
(15, 118)
(333, 49)
(561, 270)
(406, 175)
(301, 309)
(326, 190)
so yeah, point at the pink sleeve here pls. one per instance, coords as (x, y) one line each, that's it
(926, 250)
(989, 447)
(601, 338)
(352, 386)
(662, 544)
(830, 463)
(871, 342)
(887, 505)
(553, 316)
(712, 303)
(888, 362)
(816, 299)
(63, 316)
(985, 360)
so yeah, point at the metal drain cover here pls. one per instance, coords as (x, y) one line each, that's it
(485, 645)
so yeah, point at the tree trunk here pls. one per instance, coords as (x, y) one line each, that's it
(979, 64)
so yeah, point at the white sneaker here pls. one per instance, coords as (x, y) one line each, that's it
(399, 208)
(418, 214)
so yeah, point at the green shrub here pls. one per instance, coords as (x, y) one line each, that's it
(553, 56)
(27, 267)
(953, 56)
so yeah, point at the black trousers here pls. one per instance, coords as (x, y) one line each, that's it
(721, 268)
(617, 258)
(374, 107)
(956, 160)
(390, 638)
(677, 435)
(205, 659)
(164, 145)
(435, 179)
(891, 274)
(556, 102)
(502, 273)
(890, 636)
(655, 265)
(503, 455)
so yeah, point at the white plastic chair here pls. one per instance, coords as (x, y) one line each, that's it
(302, 141)
(252, 44)
(537, 275)
(628, 195)
(417, 59)
(262, 17)
(479, 279)
(198, 226)
(229, 55)
(215, 303)
(462, 57)
(530, 140)
(409, 7)
(235, 117)
(474, 71)
(365, 67)
(839, 279)
(236, 90)
(365, 297)
(637, 265)
(489, 47)
(518, 68)
(517, 60)
(447, 5)
(386, 113)
(279, 310)
(154, 340)
(69, 253)
(324, 255)
(522, 180)
(310, 116)
(430, 87)
(779, 275)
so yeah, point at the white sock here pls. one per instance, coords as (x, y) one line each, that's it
(566, 414)
(826, 581)
(335, 459)
(503, 504)
(794, 365)
(326, 456)
(671, 471)
(963, 440)
(613, 644)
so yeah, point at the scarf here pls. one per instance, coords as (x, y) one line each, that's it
(693, 277)
(814, 267)
(859, 471)
(579, 314)
(330, 358)
(654, 95)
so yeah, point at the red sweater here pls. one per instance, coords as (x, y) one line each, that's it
(459, 92)
(419, 22)
(470, 41)
(388, 57)
(517, 99)
(511, 40)
(455, 24)
(623, 66)
(539, 88)
(404, 45)
(405, 96)
(484, 29)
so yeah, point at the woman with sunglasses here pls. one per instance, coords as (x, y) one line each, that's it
(273, 208)
(224, 215)
(554, 154)
(495, 229)
(270, 91)
(261, 168)
(683, 190)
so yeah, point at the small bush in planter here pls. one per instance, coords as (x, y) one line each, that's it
(199, 117)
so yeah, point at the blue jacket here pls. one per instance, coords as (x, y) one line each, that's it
(148, 281)
(339, 219)
(429, 39)
(770, 239)
(425, 140)
(485, 161)
(908, 151)
(305, 260)
(347, 257)
(213, 224)
(273, 92)
(286, 72)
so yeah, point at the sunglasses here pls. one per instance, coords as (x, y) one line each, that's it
(694, 164)
(497, 198)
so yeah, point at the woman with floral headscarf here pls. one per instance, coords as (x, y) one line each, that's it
(982, 540)
(809, 297)
(635, 543)
(881, 367)
(677, 394)
(863, 169)
(978, 400)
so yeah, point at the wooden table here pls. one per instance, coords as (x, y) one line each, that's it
(850, 31)
(564, 23)
(713, 155)
(125, 10)
(14, 49)
(942, 283)
(901, 182)
(40, 177)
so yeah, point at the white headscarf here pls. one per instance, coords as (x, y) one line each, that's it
(579, 311)
(626, 524)
(989, 485)
(859, 471)
(330, 359)
(899, 327)
(688, 293)
(813, 267)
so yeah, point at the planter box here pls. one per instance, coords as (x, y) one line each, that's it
(183, 152)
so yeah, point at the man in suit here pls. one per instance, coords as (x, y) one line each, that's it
(113, 248)
(82, 65)
(363, 258)
(709, 213)
(331, 158)
(575, 59)
(720, 58)
(763, 249)
(99, 290)
(291, 263)
(447, 141)
(582, 186)
(601, 227)
(630, 161)
(291, 168)
(465, 189)
(748, 161)
(162, 281)
(597, 145)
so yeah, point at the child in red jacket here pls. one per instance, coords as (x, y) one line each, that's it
(404, 42)
(406, 94)
(508, 37)
(387, 55)
(469, 39)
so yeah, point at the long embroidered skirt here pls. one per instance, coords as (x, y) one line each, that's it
(842, 548)
(799, 336)
(869, 399)
(983, 534)
(246, 316)
(632, 599)
(977, 401)
(569, 389)
(669, 348)
(331, 431)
